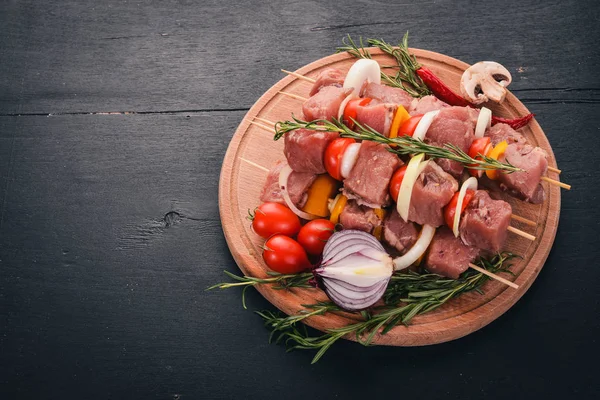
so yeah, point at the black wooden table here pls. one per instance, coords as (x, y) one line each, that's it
(114, 120)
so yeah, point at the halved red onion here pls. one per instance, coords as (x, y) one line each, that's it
(349, 234)
(283, 180)
(355, 269)
(339, 295)
(349, 159)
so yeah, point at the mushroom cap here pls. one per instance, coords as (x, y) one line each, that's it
(484, 81)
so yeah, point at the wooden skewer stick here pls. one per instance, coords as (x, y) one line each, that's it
(266, 121)
(261, 126)
(293, 96)
(510, 228)
(523, 220)
(494, 276)
(521, 233)
(528, 222)
(254, 164)
(297, 75)
(544, 178)
(555, 182)
(475, 267)
(298, 97)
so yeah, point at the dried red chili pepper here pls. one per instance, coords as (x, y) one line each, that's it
(444, 93)
(515, 123)
(439, 88)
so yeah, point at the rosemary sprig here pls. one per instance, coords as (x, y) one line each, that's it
(277, 325)
(401, 145)
(359, 51)
(409, 294)
(353, 49)
(279, 282)
(406, 78)
(432, 291)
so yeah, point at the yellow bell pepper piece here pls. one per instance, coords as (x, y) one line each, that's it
(319, 193)
(400, 117)
(496, 153)
(380, 212)
(378, 230)
(338, 207)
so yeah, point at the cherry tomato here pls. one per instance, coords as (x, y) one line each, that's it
(314, 235)
(396, 181)
(479, 146)
(333, 156)
(272, 218)
(450, 209)
(284, 255)
(350, 111)
(408, 128)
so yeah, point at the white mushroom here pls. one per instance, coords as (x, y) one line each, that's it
(486, 80)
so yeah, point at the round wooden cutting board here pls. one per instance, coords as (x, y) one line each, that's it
(241, 183)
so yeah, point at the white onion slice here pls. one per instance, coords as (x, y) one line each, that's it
(470, 183)
(363, 70)
(413, 170)
(484, 121)
(343, 105)
(283, 180)
(424, 124)
(349, 159)
(417, 250)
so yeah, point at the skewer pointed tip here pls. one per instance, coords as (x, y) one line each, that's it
(523, 220)
(494, 276)
(556, 183)
(521, 233)
(299, 76)
(254, 164)
(292, 95)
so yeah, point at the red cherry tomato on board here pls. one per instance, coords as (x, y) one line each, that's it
(272, 218)
(333, 156)
(396, 181)
(350, 111)
(408, 128)
(284, 255)
(450, 209)
(479, 146)
(314, 235)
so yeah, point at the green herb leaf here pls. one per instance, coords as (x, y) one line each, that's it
(403, 145)
(409, 294)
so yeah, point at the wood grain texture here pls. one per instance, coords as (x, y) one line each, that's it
(240, 189)
(98, 321)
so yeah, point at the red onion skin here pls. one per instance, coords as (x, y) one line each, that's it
(333, 248)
